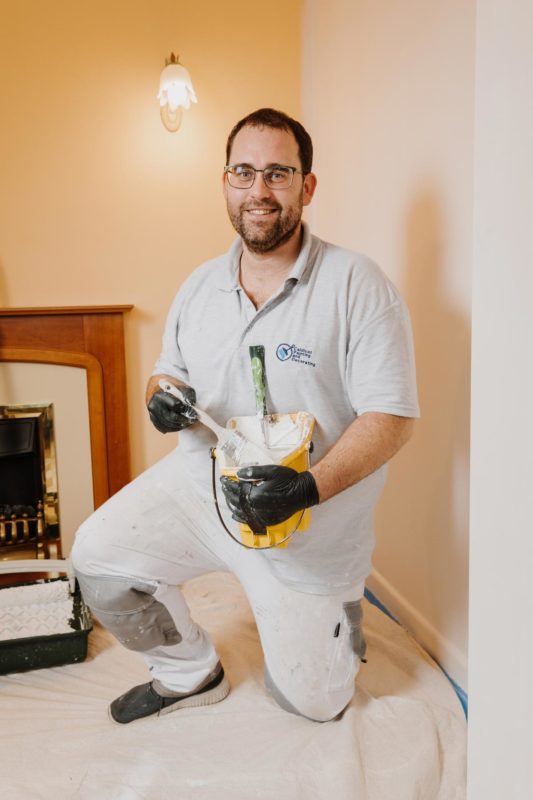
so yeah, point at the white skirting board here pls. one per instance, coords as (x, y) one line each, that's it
(441, 649)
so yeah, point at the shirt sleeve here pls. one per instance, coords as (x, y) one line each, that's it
(170, 361)
(381, 373)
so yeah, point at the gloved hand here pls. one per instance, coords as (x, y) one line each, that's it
(280, 493)
(169, 414)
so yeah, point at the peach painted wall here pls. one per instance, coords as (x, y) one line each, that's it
(388, 91)
(99, 204)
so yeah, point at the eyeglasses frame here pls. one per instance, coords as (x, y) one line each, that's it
(293, 170)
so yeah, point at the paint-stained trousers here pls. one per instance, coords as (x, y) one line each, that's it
(134, 552)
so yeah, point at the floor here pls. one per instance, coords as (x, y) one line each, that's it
(403, 737)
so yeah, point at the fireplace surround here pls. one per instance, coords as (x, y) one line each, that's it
(92, 338)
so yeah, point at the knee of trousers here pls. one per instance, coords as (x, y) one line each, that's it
(324, 689)
(316, 705)
(128, 609)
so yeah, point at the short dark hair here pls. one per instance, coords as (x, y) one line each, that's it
(270, 118)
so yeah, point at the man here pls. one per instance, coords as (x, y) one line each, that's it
(338, 345)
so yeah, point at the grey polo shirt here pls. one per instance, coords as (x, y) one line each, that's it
(338, 343)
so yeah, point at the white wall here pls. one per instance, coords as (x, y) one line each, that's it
(388, 96)
(501, 597)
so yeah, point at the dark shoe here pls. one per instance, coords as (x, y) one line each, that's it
(143, 700)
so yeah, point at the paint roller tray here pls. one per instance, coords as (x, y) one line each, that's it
(68, 615)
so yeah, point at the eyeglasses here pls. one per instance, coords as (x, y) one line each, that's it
(242, 176)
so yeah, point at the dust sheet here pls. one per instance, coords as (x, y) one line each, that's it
(403, 737)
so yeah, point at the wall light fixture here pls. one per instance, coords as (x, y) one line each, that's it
(175, 92)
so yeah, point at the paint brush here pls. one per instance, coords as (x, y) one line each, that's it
(257, 358)
(230, 441)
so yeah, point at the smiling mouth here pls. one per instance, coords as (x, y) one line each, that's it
(261, 212)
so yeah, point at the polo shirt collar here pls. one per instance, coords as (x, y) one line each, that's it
(229, 273)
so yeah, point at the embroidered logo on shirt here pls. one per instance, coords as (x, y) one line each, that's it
(290, 352)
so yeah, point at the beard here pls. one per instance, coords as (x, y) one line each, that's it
(265, 237)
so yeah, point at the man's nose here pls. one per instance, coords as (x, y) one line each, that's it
(259, 185)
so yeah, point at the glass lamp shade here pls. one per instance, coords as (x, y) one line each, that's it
(175, 92)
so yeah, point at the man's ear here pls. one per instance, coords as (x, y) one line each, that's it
(309, 186)
(224, 185)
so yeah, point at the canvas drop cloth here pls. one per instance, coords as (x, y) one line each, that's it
(403, 737)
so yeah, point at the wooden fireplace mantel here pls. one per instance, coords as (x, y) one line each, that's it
(92, 338)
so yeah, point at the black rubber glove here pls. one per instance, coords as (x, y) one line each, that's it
(169, 414)
(279, 493)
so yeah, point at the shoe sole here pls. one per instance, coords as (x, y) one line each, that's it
(209, 698)
(206, 699)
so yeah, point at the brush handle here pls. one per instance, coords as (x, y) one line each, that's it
(203, 416)
(257, 359)
(229, 440)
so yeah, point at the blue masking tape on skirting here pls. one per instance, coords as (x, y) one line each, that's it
(461, 694)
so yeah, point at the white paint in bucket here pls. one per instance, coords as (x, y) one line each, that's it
(285, 435)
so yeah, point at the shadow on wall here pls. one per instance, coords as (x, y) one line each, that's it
(430, 484)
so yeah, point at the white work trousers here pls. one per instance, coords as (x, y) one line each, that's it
(158, 532)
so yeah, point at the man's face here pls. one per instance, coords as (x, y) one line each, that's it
(267, 218)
